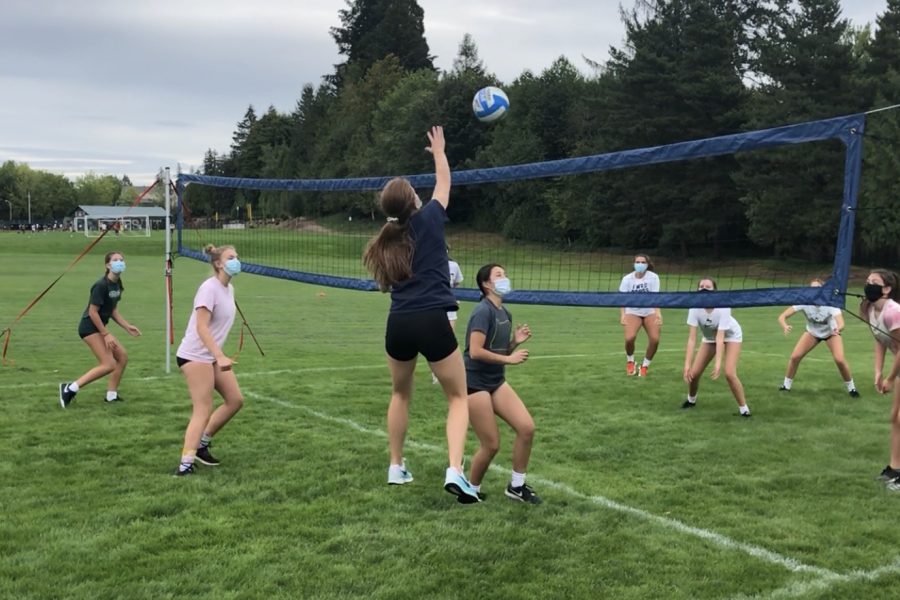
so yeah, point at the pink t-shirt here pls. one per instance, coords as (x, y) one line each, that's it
(887, 321)
(219, 300)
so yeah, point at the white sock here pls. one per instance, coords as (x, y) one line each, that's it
(518, 479)
(73, 387)
(692, 399)
(744, 409)
(850, 385)
(110, 396)
(477, 488)
(646, 362)
(788, 382)
(630, 357)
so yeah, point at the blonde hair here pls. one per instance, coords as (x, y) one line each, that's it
(388, 255)
(215, 253)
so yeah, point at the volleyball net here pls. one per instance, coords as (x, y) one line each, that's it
(315, 230)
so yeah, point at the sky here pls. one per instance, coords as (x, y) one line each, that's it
(127, 87)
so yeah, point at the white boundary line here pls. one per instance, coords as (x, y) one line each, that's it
(717, 539)
(825, 582)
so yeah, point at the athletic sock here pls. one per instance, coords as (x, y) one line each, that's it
(646, 362)
(850, 385)
(630, 357)
(477, 488)
(110, 396)
(692, 399)
(73, 387)
(205, 440)
(518, 479)
(788, 382)
(744, 409)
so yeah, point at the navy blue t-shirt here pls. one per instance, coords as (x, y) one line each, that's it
(429, 286)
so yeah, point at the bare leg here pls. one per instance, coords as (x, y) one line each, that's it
(701, 360)
(227, 386)
(451, 372)
(481, 414)
(652, 327)
(511, 409)
(801, 349)
(398, 410)
(200, 379)
(632, 326)
(106, 362)
(836, 345)
(732, 353)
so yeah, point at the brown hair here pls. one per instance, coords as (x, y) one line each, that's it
(388, 255)
(215, 253)
(710, 279)
(890, 280)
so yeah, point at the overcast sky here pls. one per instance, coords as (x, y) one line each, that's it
(127, 87)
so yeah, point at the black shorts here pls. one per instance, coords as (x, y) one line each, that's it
(427, 332)
(83, 334)
(181, 361)
(490, 390)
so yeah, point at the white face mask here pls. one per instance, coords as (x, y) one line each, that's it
(502, 286)
(640, 267)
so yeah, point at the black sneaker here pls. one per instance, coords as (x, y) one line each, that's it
(65, 396)
(688, 404)
(854, 394)
(893, 484)
(888, 473)
(482, 496)
(206, 458)
(179, 472)
(522, 493)
(784, 389)
(746, 415)
(116, 399)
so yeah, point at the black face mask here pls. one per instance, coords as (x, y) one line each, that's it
(703, 290)
(873, 292)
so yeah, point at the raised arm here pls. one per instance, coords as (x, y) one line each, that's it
(441, 166)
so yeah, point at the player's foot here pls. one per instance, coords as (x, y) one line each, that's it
(888, 473)
(203, 455)
(523, 493)
(116, 399)
(398, 475)
(459, 486)
(643, 371)
(182, 471)
(784, 389)
(65, 396)
(854, 393)
(688, 404)
(629, 368)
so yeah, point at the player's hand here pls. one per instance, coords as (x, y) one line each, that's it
(715, 373)
(110, 341)
(659, 320)
(436, 139)
(787, 329)
(622, 320)
(133, 331)
(518, 357)
(523, 333)
(878, 380)
(686, 374)
(887, 384)
(224, 363)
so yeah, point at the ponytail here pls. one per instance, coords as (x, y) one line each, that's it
(389, 255)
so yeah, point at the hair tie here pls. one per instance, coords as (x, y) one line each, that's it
(393, 220)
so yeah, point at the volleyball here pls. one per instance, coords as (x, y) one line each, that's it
(489, 104)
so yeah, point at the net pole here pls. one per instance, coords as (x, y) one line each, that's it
(168, 273)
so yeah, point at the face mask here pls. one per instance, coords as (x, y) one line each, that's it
(232, 266)
(640, 267)
(502, 286)
(873, 292)
(116, 266)
(704, 290)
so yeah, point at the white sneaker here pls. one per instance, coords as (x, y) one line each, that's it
(398, 475)
(456, 484)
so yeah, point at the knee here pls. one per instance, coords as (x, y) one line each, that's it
(795, 359)
(237, 403)
(491, 446)
(526, 432)
(108, 366)
(732, 379)
(122, 359)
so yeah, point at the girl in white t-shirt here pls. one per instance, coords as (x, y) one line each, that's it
(204, 364)
(881, 310)
(722, 337)
(642, 280)
(823, 323)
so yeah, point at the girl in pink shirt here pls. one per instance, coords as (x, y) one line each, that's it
(204, 364)
(881, 311)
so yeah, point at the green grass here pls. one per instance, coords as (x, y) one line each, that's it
(642, 500)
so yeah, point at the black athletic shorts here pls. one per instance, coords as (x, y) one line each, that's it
(490, 390)
(427, 332)
(181, 361)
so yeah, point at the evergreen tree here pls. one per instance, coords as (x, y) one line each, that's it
(372, 29)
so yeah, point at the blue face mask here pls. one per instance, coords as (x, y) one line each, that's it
(116, 266)
(232, 266)
(502, 286)
(640, 267)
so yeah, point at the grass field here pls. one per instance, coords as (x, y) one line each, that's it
(642, 499)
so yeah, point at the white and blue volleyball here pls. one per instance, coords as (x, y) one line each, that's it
(489, 104)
